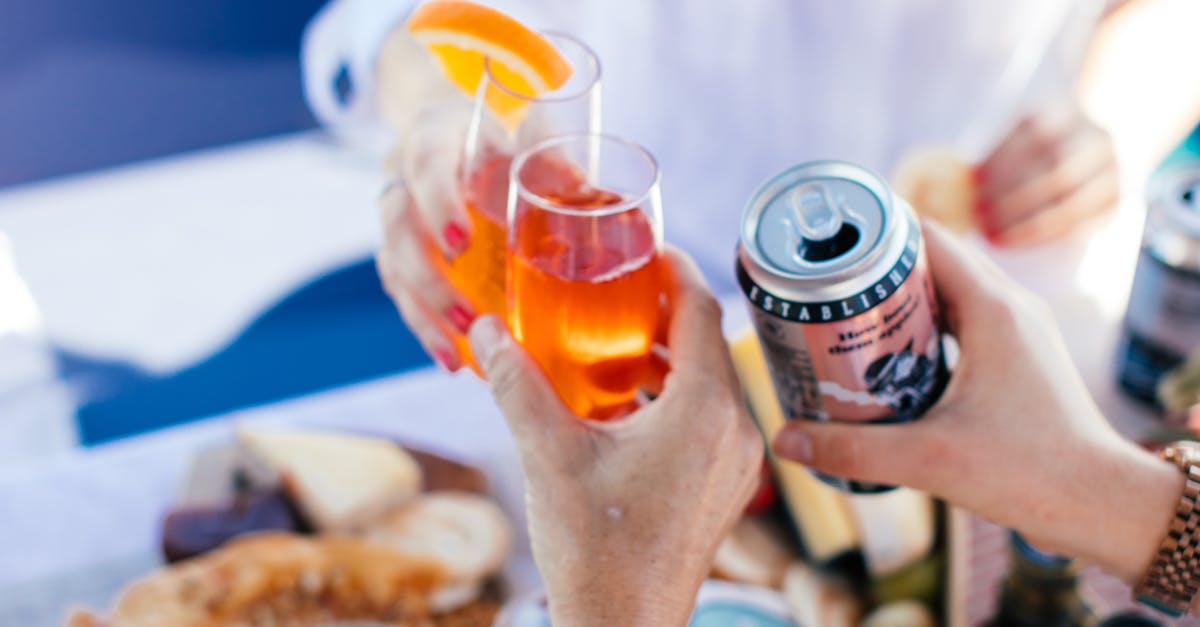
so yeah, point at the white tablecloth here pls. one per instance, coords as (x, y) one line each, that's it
(74, 527)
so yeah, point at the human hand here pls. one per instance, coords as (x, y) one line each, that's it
(625, 517)
(424, 218)
(1055, 170)
(1015, 438)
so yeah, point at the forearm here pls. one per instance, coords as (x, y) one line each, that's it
(1128, 510)
(1140, 79)
(1102, 499)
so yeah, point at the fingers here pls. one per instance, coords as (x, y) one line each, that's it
(966, 280)
(696, 343)
(429, 164)
(537, 417)
(434, 310)
(1096, 196)
(657, 369)
(1050, 183)
(1049, 164)
(430, 332)
(899, 454)
(1037, 139)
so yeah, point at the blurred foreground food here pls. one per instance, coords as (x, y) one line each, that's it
(378, 549)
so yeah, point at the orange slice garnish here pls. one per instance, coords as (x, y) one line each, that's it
(461, 35)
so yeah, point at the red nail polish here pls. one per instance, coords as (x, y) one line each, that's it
(456, 236)
(992, 235)
(978, 175)
(446, 359)
(460, 317)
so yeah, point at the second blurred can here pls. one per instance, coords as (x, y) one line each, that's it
(833, 266)
(1162, 322)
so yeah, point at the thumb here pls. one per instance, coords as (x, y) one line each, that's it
(535, 414)
(893, 454)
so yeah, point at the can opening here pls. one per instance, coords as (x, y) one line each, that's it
(820, 223)
(832, 248)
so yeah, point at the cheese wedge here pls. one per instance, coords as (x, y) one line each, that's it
(340, 482)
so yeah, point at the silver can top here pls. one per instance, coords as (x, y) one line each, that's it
(1175, 195)
(1173, 217)
(818, 221)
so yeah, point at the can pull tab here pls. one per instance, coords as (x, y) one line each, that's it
(819, 225)
(814, 215)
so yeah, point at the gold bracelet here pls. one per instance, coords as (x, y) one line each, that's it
(1173, 578)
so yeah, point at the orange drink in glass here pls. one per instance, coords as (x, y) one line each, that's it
(492, 140)
(584, 283)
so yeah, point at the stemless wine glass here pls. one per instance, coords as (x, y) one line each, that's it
(584, 280)
(492, 141)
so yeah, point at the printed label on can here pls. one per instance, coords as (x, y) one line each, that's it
(1164, 305)
(874, 356)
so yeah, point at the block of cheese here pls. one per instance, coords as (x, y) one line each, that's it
(340, 482)
(819, 511)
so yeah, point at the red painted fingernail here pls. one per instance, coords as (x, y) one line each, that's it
(983, 210)
(446, 359)
(978, 175)
(456, 236)
(992, 234)
(460, 317)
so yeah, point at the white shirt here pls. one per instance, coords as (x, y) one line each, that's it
(727, 94)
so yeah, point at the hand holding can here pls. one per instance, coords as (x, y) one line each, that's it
(834, 272)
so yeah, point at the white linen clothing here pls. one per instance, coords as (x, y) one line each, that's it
(726, 94)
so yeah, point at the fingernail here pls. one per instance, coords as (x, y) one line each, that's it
(456, 237)
(993, 235)
(487, 334)
(446, 359)
(794, 444)
(983, 209)
(460, 317)
(978, 175)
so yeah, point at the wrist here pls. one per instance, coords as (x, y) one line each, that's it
(1124, 505)
(603, 597)
(602, 612)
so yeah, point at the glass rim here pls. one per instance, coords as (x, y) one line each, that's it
(541, 202)
(593, 61)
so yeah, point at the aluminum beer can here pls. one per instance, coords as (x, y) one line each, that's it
(833, 268)
(1162, 320)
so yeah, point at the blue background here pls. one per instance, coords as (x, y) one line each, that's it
(86, 84)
